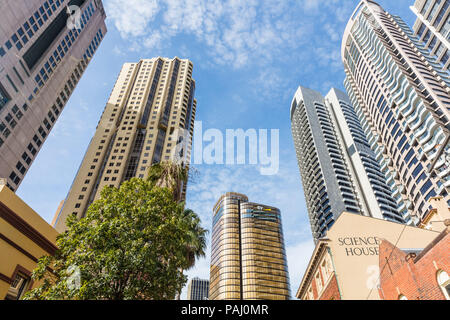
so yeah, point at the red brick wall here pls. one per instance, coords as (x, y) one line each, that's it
(314, 287)
(331, 292)
(416, 278)
(396, 274)
(427, 271)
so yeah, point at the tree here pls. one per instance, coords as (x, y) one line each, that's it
(195, 247)
(174, 176)
(130, 245)
(170, 175)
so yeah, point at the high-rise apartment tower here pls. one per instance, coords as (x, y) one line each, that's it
(402, 103)
(149, 118)
(45, 46)
(248, 258)
(338, 169)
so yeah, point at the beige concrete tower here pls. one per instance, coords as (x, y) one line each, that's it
(43, 54)
(149, 118)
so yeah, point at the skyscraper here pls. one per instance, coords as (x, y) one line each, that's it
(198, 289)
(149, 118)
(402, 104)
(248, 258)
(432, 27)
(373, 192)
(43, 54)
(338, 169)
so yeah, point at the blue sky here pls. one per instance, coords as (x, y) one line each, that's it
(249, 58)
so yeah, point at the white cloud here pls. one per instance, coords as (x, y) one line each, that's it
(233, 30)
(118, 51)
(154, 40)
(132, 17)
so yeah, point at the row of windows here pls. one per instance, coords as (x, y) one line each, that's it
(31, 26)
(47, 122)
(433, 12)
(66, 43)
(11, 120)
(21, 169)
(4, 97)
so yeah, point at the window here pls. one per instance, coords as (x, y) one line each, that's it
(18, 287)
(32, 149)
(4, 98)
(319, 283)
(421, 30)
(310, 294)
(444, 283)
(445, 57)
(441, 14)
(12, 83)
(446, 26)
(425, 7)
(326, 269)
(409, 155)
(426, 187)
(427, 36)
(417, 170)
(432, 43)
(13, 176)
(434, 10)
(17, 112)
(37, 141)
(21, 168)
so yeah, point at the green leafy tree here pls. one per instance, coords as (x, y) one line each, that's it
(133, 243)
(196, 246)
(173, 176)
(168, 174)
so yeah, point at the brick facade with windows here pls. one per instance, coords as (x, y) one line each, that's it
(331, 292)
(414, 274)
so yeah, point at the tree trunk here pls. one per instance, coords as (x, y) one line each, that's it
(178, 297)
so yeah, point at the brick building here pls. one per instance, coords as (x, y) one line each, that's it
(415, 274)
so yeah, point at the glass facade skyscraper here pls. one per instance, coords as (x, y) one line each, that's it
(43, 55)
(248, 258)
